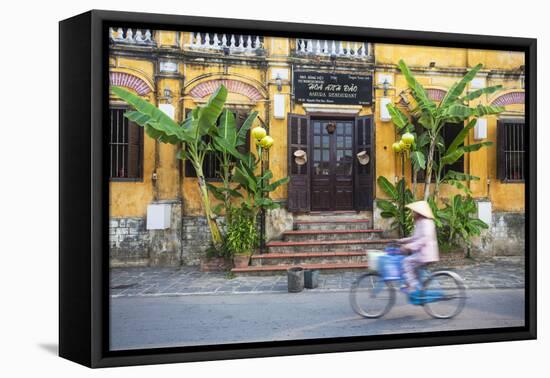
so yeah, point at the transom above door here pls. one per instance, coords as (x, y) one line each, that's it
(332, 165)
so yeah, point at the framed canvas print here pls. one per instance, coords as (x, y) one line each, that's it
(236, 188)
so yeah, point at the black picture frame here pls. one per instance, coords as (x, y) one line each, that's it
(83, 196)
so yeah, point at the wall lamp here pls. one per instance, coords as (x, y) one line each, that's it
(279, 82)
(168, 94)
(385, 86)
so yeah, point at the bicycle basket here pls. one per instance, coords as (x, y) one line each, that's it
(390, 266)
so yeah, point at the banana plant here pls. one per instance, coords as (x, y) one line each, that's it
(226, 141)
(190, 134)
(391, 208)
(451, 154)
(453, 108)
(457, 222)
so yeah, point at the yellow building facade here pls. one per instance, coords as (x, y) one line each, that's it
(282, 79)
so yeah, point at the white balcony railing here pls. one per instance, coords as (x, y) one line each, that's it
(130, 36)
(325, 47)
(228, 43)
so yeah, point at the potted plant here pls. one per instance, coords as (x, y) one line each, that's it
(241, 236)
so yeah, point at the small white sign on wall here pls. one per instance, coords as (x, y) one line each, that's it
(168, 66)
(384, 113)
(480, 129)
(477, 83)
(168, 109)
(158, 216)
(279, 106)
(281, 73)
(485, 212)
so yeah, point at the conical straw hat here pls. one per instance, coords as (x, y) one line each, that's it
(422, 208)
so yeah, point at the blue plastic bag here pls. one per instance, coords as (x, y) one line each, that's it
(390, 266)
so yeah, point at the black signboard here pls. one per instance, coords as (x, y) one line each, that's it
(332, 88)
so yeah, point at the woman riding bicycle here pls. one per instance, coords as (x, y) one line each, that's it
(422, 245)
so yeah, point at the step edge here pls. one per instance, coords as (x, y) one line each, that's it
(316, 232)
(339, 221)
(305, 266)
(328, 242)
(307, 254)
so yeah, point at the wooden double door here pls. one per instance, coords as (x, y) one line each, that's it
(332, 165)
(332, 178)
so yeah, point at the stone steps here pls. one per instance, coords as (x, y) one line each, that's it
(328, 241)
(298, 259)
(323, 235)
(326, 245)
(281, 269)
(333, 225)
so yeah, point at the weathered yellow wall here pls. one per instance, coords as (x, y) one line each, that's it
(132, 198)
(450, 66)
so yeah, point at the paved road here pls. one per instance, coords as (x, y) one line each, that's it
(198, 319)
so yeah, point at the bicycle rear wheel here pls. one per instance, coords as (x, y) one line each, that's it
(371, 296)
(443, 295)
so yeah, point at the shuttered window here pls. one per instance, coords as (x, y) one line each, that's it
(211, 165)
(511, 150)
(125, 147)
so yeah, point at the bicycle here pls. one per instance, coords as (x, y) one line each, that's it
(372, 295)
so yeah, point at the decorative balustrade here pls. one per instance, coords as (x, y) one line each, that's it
(325, 47)
(130, 36)
(228, 43)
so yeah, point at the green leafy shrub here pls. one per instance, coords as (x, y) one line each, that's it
(242, 234)
(457, 222)
(391, 208)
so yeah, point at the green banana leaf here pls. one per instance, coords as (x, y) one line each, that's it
(241, 136)
(458, 88)
(209, 113)
(398, 118)
(418, 160)
(418, 91)
(483, 110)
(388, 188)
(157, 123)
(459, 139)
(479, 92)
(476, 146)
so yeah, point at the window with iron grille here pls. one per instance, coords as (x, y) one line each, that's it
(448, 133)
(125, 147)
(211, 164)
(511, 150)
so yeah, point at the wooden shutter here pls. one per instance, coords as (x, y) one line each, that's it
(501, 147)
(364, 174)
(135, 146)
(299, 184)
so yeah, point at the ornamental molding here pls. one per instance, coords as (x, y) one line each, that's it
(436, 94)
(206, 88)
(124, 79)
(510, 98)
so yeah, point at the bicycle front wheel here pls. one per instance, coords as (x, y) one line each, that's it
(443, 295)
(371, 296)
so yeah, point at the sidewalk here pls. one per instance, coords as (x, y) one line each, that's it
(496, 273)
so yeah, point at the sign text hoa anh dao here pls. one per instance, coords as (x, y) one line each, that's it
(331, 88)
